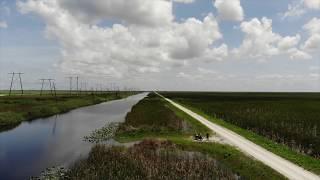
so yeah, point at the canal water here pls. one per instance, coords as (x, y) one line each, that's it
(56, 141)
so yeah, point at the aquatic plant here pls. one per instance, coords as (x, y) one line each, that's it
(53, 173)
(102, 134)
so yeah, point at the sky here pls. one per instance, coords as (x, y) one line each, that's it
(184, 45)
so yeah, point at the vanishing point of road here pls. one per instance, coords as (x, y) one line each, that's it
(283, 166)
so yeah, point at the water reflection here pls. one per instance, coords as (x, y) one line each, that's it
(28, 149)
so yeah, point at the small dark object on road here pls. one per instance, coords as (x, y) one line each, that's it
(198, 137)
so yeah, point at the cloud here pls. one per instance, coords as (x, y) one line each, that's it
(298, 8)
(295, 53)
(260, 42)
(230, 10)
(288, 42)
(295, 9)
(206, 71)
(146, 42)
(313, 29)
(3, 24)
(184, 1)
(150, 13)
(312, 4)
(188, 43)
(216, 54)
(184, 75)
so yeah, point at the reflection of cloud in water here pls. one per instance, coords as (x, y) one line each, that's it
(57, 140)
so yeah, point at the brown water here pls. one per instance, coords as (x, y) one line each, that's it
(56, 141)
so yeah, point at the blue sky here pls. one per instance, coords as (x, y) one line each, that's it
(25, 47)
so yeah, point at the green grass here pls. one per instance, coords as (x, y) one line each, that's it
(154, 117)
(154, 111)
(16, 109)
(303, 160)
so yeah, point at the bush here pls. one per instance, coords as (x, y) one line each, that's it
(147, 160)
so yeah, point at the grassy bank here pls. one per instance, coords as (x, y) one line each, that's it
(16, 109)
(154, 118)
(211, 104)
(156, 122)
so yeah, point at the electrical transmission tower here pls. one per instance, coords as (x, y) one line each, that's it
(12, 80)
(70, 83)
(77, 78)
(51, 83)
(51, 86)
(54, 89)
(42, 86)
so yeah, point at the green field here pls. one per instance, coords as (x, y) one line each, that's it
(167, 150)
(284, 123)
(16, 109)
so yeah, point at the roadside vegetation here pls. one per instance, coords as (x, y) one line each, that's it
(16, 109)
(154, 117)
(166, 150)
(284, 123)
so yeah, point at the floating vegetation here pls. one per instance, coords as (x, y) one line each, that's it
(103, 134)
(54, 173)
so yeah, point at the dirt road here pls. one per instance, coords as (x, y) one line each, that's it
(285, 167)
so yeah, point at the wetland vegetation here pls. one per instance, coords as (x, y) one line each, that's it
(166, 150)
(284, 123)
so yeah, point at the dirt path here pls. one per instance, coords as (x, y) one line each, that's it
(285, 167)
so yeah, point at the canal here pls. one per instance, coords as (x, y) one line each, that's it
(56, 141)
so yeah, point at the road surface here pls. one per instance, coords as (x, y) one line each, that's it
(283, 166)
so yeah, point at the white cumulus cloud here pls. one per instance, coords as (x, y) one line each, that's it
(184, 1)
(230, 10)
(313, 29)
(300, 7)
(261, 43)
(154, 13)
(312, 4)
(138, 45)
